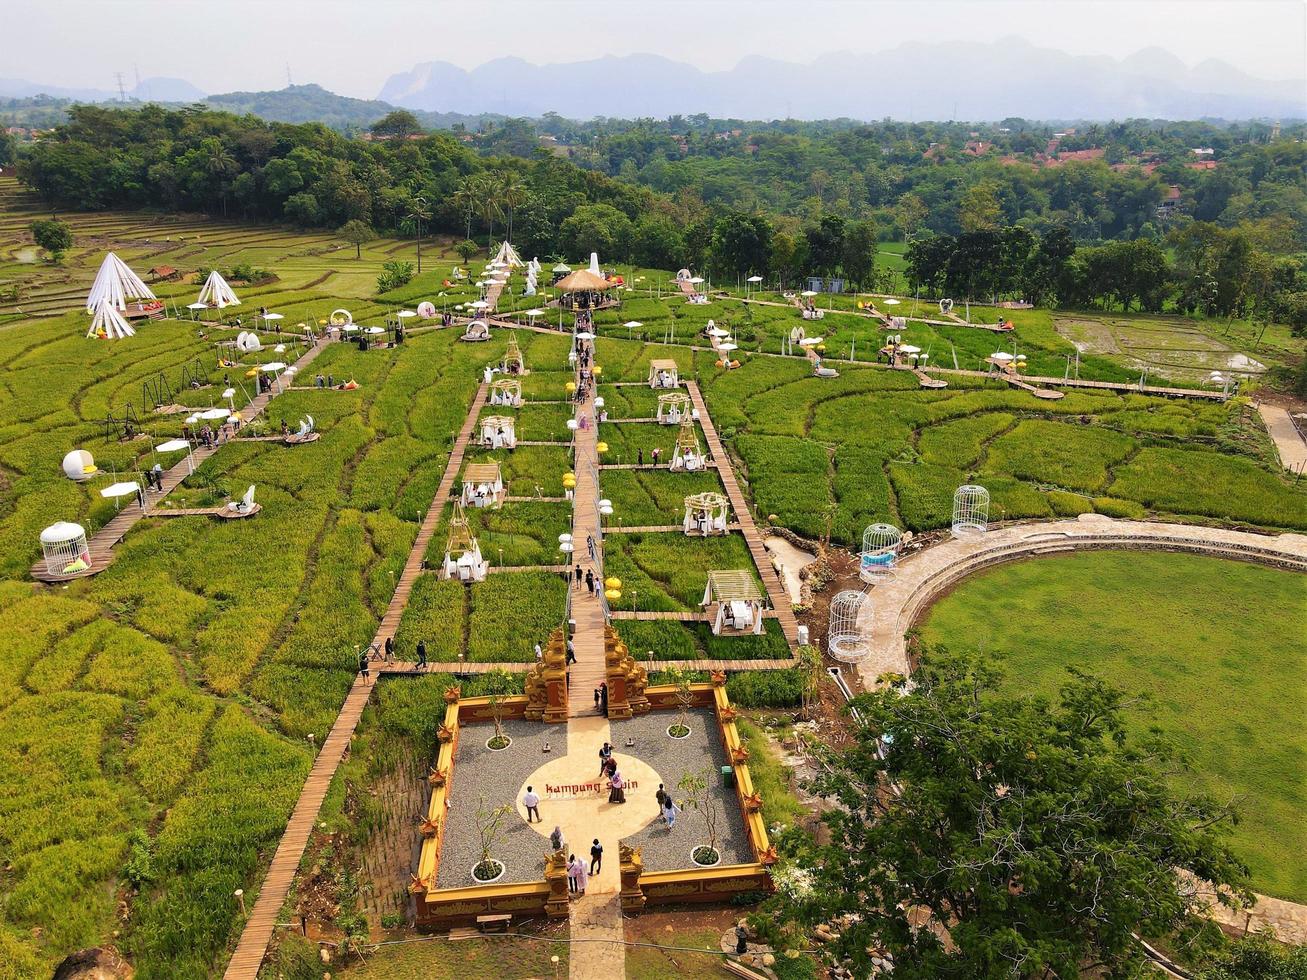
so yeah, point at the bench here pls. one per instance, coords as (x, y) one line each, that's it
(494, 923)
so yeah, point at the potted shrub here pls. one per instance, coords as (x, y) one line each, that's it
(697, 787)
(490, 829)
(498, 685)
(684, 699)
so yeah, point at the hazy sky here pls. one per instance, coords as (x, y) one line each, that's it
(352, 46)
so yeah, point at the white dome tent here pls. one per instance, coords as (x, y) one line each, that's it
(970, 510)
(116, 284)
(108, 323)
(848, 636)
(79, 465)
(65, 549)
(215, 292)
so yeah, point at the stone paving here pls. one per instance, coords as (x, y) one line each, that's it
(665, 850)
(498, 777)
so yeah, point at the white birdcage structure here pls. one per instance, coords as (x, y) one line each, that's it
(848, 635)
(687, 455)
(663, 373)
(506, 391)
(672, 407)
(513, 362)
(970, 510)
(65, 549)
(463, 560)
(880, 552)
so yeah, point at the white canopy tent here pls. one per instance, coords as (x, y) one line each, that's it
(108, 323)
(216, 292)
(116, 283)
(508, 256)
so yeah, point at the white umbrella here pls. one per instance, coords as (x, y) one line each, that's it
(291, 370)
(718, 332)
(172, 446)
(215, 413)
(1001, 356)
(585, 335)
(696, 280)
(727, 346)
(350, 328)
(273, 316)
(124, 489)
(197, 306)
(754, 279)
(808, 292)
(405, 314)
(273, 366)
(229, 393)
(192, 419)
(893, 302)
(479, 304)
(376, 330)
(279, 349)
(632, 324)
(810, 341)
(534, 313)
(909, 349)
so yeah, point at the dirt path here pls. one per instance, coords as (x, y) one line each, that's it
(1288, 441)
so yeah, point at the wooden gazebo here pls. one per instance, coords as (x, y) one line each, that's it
(663, 373)
(483, 485)
(513, 363)
(673, 407)
(498, 431)
(507, 392)
(734, 602)
(707, 514)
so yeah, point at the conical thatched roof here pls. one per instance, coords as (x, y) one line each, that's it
(583, 281)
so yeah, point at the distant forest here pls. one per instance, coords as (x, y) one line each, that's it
(1188, 216)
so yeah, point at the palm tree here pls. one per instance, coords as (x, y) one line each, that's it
(487, 201)
(221, 164)
(513, 193)
(465, 202)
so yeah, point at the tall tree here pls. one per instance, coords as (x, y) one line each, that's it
(858, 255)
(982, 834)
(357, 233)
(54, 236)
(978, 209)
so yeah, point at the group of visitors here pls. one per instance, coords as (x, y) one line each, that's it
(578, 876)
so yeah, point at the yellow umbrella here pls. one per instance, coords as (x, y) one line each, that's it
(613, 594)
(601, 447)
(613, 582)
(598, 370)
(570, 387)
(251, 372)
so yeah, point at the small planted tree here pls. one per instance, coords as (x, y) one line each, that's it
(697, 787)
(466, 249)
(357, 233)
(53, 236)
(680, 678)
(809, 665)
(490, 831)
(498, 685)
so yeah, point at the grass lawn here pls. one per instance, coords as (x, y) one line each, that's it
(1218, 646)
(439, 960)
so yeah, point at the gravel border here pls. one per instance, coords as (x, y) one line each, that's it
(663, 849)
(496, 776)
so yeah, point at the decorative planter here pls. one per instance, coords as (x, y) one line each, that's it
(683, 734)
(716, 852)
(498, 748)
(487, 881)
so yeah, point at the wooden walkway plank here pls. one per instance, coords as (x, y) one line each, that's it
(253, 944)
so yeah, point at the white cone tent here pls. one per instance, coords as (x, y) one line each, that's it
(594, 264)
(109, 323)
(117, 284)
(508, 256)
(216, 292)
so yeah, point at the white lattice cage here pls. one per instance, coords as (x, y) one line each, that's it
(970, 510)
(848, 636)
(65, 549)
(880, 551)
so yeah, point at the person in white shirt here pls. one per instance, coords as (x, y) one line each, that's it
(531, 800)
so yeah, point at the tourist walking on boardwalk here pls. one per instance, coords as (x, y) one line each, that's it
(422, 654)
(390, 650)
(596, 857)
(363, 664)
(590, 580)
(578, 577)
(531, 800)
(571, 652)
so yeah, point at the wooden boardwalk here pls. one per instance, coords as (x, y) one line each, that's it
(102, 542)
(245, 962)
(664, 528)
(780, 598)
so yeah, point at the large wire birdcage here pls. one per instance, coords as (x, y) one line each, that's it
(880, 552)
(970, 510)
(848, 636)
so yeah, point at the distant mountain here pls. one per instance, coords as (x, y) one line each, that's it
(1010, 77)
(313, 103)
(167, 90)
(19, 88)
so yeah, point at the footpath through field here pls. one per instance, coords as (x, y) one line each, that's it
(103, 541)
(256, 935)
(1288, 441)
